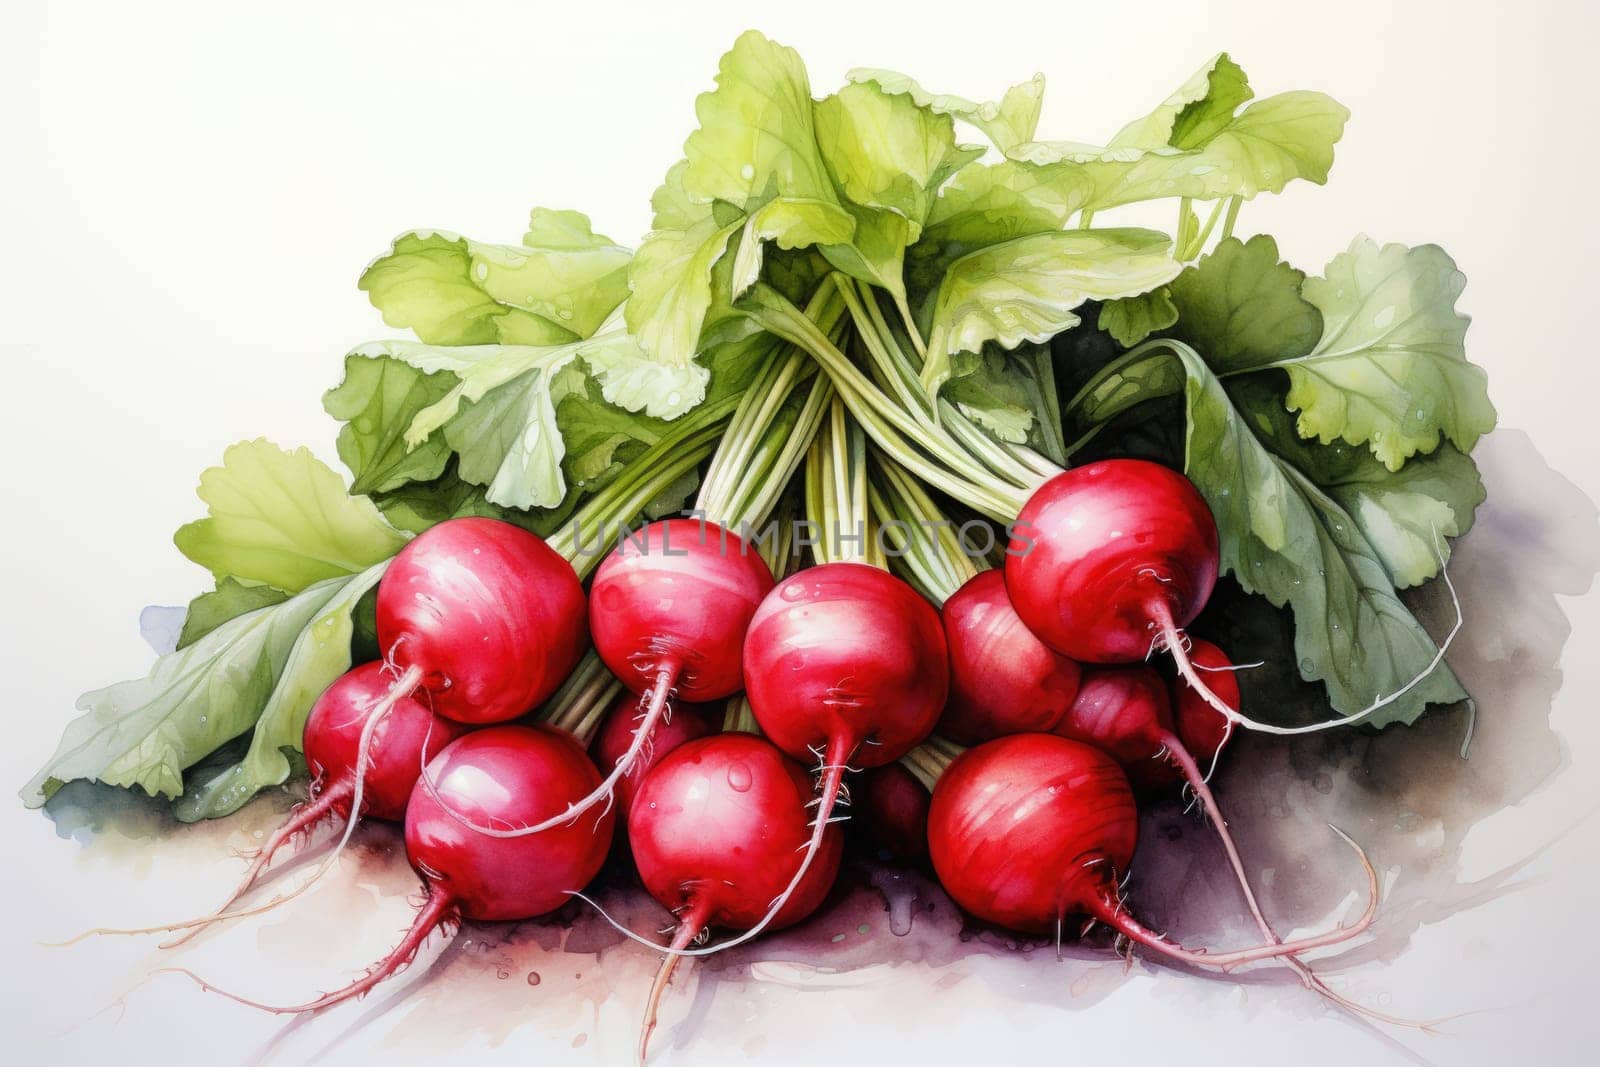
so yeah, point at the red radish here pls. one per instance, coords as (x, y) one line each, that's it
(1003, 679)
(670, 609)
(1203, 730)
(1109, 561)
(717, 830)
(1126, 713)
(894, 810)
(484, 616)
(846, 663)
(408, 736)
(1122, 552)
(689, 722)
(1029, 830)
(505, 775)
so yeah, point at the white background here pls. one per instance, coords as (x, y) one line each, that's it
(190, 191)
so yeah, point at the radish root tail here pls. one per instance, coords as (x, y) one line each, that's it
(1110, 912)
(1171, 639)
(309, 814)
(689, 928)
(438, 909)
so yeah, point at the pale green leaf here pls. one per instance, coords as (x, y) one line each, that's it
(145, 733)
(670, 276)
(791, 224)
(1008, 122)
(1390, 369)
(449, 290)
(1194, 114)
(1267, 145)
(319, 655)
(283, 519)
(756, 140)
(500, 417)
(1027, 289)
(885, 152)
(633, 381)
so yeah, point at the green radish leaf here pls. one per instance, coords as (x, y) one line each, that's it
(557, 286)
(145, 733)
(756, 141)
(1200, 109)
(987, 204)
(283, 519)
(415, 506)
(1241, 307)
(631, 380)
(377, 402)
(1131, 319)
(230, 599)
(1391, 368)
(1008, 122)
(1027, 289)
(670, 277)
(500, 417)
(1011, 395)
(885, 152)
(1298, 546)
(318, 655)
(887, 155)
(1198, 144)
(791, 224)
(1267, 145)
(1405, 515)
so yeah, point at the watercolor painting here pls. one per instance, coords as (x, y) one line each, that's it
(888, 560)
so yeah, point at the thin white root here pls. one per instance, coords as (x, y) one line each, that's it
(1173, 640)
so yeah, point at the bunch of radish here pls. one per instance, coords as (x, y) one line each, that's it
(840, 668)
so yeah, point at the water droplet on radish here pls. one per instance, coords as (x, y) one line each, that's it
(533, 978)
(792, 592)
(739, 778)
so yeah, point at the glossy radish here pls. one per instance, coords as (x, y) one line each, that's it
(1203, 730)
(1030, 830)
(1108, 562)
(503, 775)
(1003, 679)
(1111, 557)
(484, 616)
(892, 806)
(1127, 714)
(846, 664)
(409, 735)
(718, 829)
